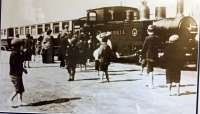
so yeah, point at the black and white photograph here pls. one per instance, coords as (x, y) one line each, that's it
(99, 56)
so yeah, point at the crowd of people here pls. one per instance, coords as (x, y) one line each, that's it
(77, 48)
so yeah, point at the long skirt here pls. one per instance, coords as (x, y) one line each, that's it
(103, 66)
(18, 83)
(173, 75)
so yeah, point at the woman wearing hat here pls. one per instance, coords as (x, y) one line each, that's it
(105, 54)
(173, 62)
(150, 53)
(16, 68)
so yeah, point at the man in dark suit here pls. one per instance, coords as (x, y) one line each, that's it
(150, 52)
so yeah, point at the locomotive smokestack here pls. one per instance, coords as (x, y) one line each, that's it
(160, 12)
(144, 11)
(180, 8)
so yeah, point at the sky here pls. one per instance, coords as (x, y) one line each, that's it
(25, 12)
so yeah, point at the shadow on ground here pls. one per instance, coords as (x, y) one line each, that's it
(56, 101)
(186, 85)
(87, 79)
(127, 80)
(46, 66)
(187, 93)
(124, 70)
(117, 73)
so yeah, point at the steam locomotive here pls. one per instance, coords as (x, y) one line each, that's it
(129, 29)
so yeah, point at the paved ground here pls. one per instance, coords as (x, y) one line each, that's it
(47, 90)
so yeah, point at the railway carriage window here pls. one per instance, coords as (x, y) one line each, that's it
(92, 16)
(4, 31)
(135, 16)
(119, 15)
(131, 15)
(16, 30)
(100, 15)
(47, 26)
(22, 30)
(33, 30)
(27, 30)
(56, 28)
(39, 29)
(10, 32)
(63, 24)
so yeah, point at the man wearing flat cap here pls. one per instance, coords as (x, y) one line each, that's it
(150, 53)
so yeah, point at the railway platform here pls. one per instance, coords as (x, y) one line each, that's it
(47, 90)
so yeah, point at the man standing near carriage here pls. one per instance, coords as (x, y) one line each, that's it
(150, 53)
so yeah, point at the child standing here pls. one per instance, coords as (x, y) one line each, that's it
(17, 69)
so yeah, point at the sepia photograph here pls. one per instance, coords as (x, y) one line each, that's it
(99, 56)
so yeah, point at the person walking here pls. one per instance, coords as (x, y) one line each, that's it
(105, 55)
(28, 49)
(150, 53)
(64, 36)
(38, 47)
(72, 55)
(174, 61)
(47, 48)
(17, 69)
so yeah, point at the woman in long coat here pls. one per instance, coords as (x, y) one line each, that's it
(174, 61)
